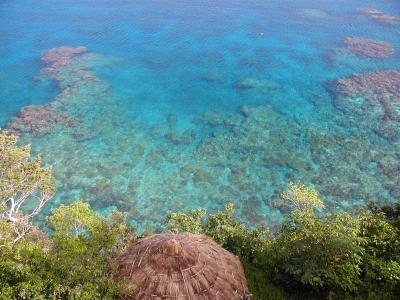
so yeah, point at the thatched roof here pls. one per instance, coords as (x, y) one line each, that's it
(181, 267)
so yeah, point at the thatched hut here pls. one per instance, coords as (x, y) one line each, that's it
(180, 267)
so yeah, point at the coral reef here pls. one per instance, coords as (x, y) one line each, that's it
(71, 68)
(186, 137)
(38, 120)
(373, 98)
(256, 83)
(368, 48)
(314, 13)
(114, 158)
(369, 11)
(57, 57)
(247, 157)
(394, 20)
(370, 83)
(379, 16)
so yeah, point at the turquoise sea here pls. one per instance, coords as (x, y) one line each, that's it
(188, 104)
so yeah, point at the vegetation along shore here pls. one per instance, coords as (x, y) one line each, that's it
(80, 254)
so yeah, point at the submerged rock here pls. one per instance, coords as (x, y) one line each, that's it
(369, 11)
(184, 138)
(213, 77)
(57, 57)
(368, 48)
(72, 71)
(314, 13)
(370, 84)
(212, 118)
(379, 16)
(255, 83)
(37, 120)
(373, 98)
(394, 20)
(389, 165)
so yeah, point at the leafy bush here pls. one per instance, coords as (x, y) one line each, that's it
(224, 229)
(318, 252)
(234, 236)
(381, 260)
(22, 180)
(339, 254)
(262, 288)
(390, 212)
(190, 221)
(74, 263)
(302, 198)
(84, 245)
(311, 256)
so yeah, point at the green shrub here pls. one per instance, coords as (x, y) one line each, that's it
(224, 229)
(338, 255)
(74, 263)
(190, 221)
(381, 259)
(25, 187)
(310, 257)
(390, 212)
(260, 287)
(321, 253)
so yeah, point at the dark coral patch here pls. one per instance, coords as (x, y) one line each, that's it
(373, 98)
(71, 70)
(57, 57)
(379, 16)
(368, 48)
(37, 120)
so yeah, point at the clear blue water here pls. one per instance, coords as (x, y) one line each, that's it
(170, 132)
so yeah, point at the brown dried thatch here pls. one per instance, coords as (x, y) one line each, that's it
(181, 267)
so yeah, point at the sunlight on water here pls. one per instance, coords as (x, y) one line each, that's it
(158, 106)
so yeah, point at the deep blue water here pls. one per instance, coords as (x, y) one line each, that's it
(169, 133)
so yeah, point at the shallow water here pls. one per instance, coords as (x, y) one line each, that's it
(163, 128)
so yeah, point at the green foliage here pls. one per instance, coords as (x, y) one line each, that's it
(25, 187)
(259, 285)
(381, 261)
(301, 197)
(24, 272)
(75, 263)
(390, 212)
(19, 174)
(338, 255)
(310, 257)
(84, 244)
(224, 229)
(318, 252)
(234, 236)
(191, 221)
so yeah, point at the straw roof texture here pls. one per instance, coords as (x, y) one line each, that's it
(181, 267)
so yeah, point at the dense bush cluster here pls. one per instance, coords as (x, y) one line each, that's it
(311, 256)
(73, 262)
(224, 229)
(335, 255)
